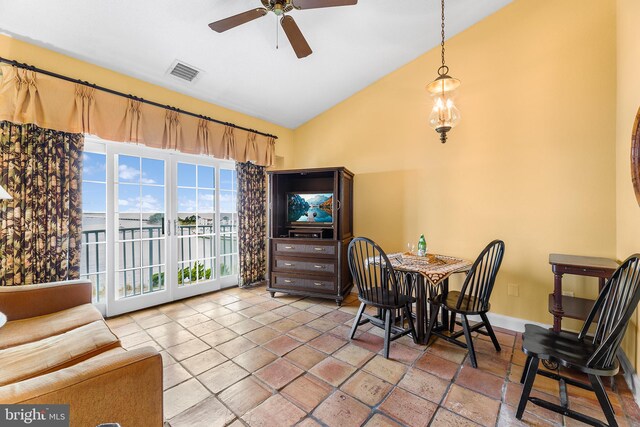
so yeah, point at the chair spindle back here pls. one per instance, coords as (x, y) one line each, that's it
(372, 273)
(616, 304)
(479, 282)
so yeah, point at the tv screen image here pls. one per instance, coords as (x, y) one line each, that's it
(310, 208)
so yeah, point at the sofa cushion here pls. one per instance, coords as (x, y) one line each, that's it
(36, 328)
(55, 352)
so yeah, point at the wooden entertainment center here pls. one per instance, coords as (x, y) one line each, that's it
(308, 256)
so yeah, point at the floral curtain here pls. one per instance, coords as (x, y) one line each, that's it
(40, 228)
(252, 221)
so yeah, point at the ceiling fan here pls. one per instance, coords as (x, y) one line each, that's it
(280, 7)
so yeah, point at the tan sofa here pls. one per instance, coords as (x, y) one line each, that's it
(57, 348)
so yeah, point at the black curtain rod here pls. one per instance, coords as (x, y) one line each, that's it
(129, 96)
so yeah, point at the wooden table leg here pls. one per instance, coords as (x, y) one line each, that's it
(557, 302)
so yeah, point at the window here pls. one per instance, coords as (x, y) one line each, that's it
(157, 225)
(94, 210)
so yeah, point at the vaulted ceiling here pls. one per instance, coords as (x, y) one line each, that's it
(353, 46)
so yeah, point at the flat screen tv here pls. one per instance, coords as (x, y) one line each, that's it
(306, 208)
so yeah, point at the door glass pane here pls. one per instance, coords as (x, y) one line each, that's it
(206, 176)
(128, 169)
(128, 198)
(206, 223)
(227, 179)
(152, 199)
(226, 266)
(129, 226)
(153, 253)
(152, 171)
(227, 201)
(206, 201)
(186, 202)
(152, 279)
(186, 175)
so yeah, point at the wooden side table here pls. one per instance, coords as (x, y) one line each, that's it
(573, 307)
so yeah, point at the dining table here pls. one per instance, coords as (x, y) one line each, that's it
(425, 277)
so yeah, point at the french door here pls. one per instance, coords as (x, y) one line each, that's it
(205, 225)
(171, 226)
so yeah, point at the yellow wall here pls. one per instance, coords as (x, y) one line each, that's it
(52, 61)
(628, 102)
(532, 162)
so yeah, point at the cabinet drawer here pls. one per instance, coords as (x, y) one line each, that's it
(310, 284)
(303, 248)
(311, 266)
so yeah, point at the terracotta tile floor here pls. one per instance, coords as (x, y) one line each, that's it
(240, 357)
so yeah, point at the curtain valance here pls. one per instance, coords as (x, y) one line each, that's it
(30, 97)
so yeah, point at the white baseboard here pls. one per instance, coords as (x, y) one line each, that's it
(508, 322)
(630, 376)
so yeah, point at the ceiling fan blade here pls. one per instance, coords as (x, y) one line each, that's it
(235, 20)
(315, 4)
(297, 40)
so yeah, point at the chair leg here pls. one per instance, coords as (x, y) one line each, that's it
(452, 322)
(525, 370)
(387, 333)
(467, 336)
(357, 320)
(433, 311)
(532, 371)
(489, 329)
(407, 310)
(605, 403)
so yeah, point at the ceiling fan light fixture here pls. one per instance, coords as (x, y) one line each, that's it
(280, 8)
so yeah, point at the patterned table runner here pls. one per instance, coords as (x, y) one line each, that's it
(435, 268)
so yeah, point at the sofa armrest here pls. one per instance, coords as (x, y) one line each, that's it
(21, 302)
(124, 388)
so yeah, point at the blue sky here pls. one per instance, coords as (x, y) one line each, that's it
(141, 185)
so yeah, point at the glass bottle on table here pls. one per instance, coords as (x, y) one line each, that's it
(422, 246)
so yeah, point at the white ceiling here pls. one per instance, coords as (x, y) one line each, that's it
(353, 46)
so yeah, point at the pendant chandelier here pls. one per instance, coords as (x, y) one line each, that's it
(444, 115)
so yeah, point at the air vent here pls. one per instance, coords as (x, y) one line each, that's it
(183, 71)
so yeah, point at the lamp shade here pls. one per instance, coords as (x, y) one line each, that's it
(4, 195)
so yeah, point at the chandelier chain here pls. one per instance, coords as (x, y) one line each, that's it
(442, 25)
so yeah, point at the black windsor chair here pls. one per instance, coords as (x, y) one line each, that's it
(594, 355)
(473, 299)
(378, 287)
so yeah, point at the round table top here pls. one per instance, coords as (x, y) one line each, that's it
(3, 319)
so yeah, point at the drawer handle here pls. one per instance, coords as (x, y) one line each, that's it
(288, 281)
(288, 247)
(317, 283)
(320, 249)
(288, 264)
(322, 267)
